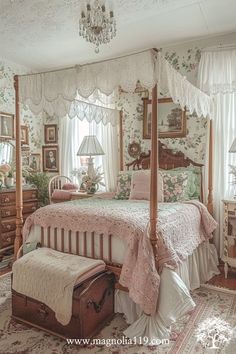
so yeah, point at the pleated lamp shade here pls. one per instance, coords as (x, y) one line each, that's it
(90, 146)
(233, 146)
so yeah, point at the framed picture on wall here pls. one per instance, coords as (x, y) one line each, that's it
(50, 158)
(50, 134)
(24, 131)
(171, 119)
(35, 162)
(7, 126)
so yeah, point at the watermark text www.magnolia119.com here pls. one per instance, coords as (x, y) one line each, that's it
(108, 342)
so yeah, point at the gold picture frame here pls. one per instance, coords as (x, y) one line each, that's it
(7, 126)
(50, 158)
(24, 131)
(34, 161)
(171, 119)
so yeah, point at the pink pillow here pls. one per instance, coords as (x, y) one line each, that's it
(140, 186)
(59, 194)
(70, 186)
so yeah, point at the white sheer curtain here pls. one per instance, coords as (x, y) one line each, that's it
(72, 132)
(217, 78)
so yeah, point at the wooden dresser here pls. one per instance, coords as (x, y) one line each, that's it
(229, 229)
(8, 214)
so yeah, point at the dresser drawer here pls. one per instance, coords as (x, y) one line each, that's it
(7, 198)
(30, 194)
(8, 211)
(232, 209)
(30, 207)
(8, 225)
(7, 239)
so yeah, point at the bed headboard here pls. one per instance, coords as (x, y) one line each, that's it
(168, 159)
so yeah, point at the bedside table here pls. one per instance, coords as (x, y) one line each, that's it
(229, 230)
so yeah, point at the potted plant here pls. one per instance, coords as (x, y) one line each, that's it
(9, 179)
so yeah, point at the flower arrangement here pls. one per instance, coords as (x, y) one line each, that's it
(91, 183)
(4, 172)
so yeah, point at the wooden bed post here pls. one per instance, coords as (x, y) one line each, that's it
(210, 173)
(121, 142)
(19, 203)
(154, 172)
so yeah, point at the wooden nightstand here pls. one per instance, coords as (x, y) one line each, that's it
(229, 229)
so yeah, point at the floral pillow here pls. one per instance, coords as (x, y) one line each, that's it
(123, 185)
(174, 186)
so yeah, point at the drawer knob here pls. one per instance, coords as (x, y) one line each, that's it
(33, 208)
(7, 213)
(8, 226)
(5, 200)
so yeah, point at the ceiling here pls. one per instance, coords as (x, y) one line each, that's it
(43, 34)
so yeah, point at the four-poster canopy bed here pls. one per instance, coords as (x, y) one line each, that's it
(54, 92)
(146, 67)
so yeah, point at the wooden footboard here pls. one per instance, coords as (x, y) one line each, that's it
(55, 238)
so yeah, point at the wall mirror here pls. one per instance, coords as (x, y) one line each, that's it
(171, 119)
(7, 152)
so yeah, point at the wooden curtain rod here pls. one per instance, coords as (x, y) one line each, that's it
(96, 62)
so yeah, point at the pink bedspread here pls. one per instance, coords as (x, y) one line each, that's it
(182, 227)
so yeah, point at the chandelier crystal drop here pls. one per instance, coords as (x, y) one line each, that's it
(97, 25)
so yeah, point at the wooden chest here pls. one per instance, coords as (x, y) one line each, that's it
(93, 306)
(8, 214)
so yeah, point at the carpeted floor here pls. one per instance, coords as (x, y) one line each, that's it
(211, 302)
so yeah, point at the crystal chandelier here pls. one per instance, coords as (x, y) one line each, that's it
(97, 25)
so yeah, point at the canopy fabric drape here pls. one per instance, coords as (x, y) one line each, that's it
(222, 62)
(91, 112)
(182, 91)
(217, 75)
(54, 92)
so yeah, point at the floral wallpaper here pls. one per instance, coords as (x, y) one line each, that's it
(194, 144)
(7, 103)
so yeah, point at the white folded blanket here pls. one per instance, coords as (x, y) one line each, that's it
(49, 276)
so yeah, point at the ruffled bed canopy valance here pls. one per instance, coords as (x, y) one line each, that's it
(55, 91)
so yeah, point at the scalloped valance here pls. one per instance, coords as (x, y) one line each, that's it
(93, 113)
(55, 92)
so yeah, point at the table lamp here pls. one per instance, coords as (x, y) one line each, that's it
(90, 146)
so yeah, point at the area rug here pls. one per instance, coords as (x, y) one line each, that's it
(211, 303)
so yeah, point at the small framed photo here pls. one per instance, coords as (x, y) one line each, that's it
(24, 138)
(7, 126)
(50, 158)
(35, 162)
(50, 134)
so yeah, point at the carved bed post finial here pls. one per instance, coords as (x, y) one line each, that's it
(19, 202)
